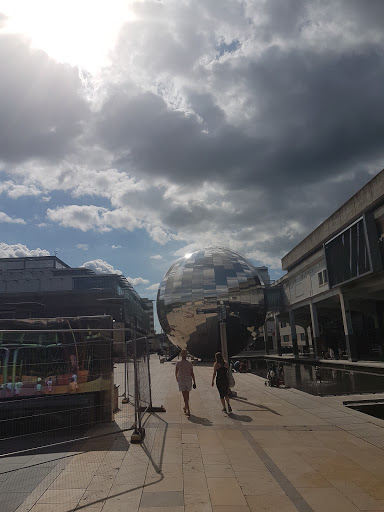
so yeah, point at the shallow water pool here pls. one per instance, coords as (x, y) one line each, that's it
(333, 381)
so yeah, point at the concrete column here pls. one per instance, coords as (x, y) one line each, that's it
(350, 338)
(265, 332)
(306, 337)
(306, 344)
(315, 329)
(293, 333)
(277, 335)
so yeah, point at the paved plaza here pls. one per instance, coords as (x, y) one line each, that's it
(281, 450)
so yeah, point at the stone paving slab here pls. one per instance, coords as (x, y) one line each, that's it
(281, 449)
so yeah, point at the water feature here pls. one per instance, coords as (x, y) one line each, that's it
(333, 381)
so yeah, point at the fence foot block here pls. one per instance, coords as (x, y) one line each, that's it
(138, 436)
(125, 401)
(157, 409)
(153, 409)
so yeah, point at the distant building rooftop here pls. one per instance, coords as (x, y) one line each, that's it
(29, 262)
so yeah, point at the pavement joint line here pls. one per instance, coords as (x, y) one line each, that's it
(295, 497)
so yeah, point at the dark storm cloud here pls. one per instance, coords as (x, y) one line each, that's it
(324, 112)
(213, 117)
(183, 217)
(41, 106)
(365, 16)
(316, 115)
(282, 18)
(157, 140)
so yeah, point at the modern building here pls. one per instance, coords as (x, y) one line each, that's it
(46, 287)
(148, 306)
(334, 286)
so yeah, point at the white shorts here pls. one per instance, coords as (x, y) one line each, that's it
(185, 385)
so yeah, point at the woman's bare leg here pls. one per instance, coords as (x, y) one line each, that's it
(186, 401)
(228, 404)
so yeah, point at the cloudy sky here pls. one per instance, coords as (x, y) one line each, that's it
(135, 131)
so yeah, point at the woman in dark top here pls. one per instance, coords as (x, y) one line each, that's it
(220, 371)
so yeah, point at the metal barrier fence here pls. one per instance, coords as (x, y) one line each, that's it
(64, 392)
(137, 382)
(56, 384)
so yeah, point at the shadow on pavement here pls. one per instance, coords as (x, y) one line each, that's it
(57, 441)
(240, 417)
(154, 441)
(260, 408)
(201, 421)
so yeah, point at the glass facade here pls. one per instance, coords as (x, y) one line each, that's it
(192, 289)
(348, 254)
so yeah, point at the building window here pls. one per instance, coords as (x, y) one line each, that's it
(283, 324)
(323, 278)
(286, 339)
(347, 254)
(302, 335)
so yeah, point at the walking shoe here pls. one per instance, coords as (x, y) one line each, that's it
(229, 408)
(224, 410)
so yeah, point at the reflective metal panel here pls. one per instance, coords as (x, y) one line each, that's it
(192, 289)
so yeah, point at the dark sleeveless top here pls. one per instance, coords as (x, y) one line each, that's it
(222, 373)
(222, 381)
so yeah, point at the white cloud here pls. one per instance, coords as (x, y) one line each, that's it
(156, 257)
(79, 217)
(101, 267)
(20, 251)
(12, 220)
(83, 247)
(154, 286)
(135, 281)
(115, 246)
(158, 234)
(97, 218)
(16, 190)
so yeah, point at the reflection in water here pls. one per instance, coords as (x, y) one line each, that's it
(333, 382)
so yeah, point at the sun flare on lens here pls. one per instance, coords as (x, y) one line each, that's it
(78, 32)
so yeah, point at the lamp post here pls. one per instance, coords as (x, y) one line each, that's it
(222, 314)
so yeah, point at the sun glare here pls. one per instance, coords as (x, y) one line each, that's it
(79, 32)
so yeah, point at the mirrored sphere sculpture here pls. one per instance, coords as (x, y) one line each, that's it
(194, 287)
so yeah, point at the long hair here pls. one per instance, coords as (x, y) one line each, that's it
(219, 358)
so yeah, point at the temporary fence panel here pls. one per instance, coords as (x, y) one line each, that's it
(143, 373)
(59, 381)
(55, 375)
